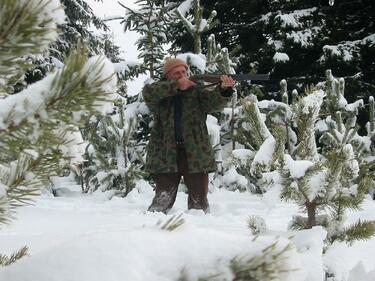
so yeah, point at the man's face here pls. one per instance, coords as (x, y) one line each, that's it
(177, 73)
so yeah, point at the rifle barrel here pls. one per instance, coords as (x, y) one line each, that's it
(237, 77)
(242, 77)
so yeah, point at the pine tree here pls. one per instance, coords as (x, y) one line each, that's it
(216, 58)
(39, 126)
(111, 159)
(80, 17)
(324, 182)
(115, 142)
(329, 183)
(263, 148)
(149, 21)
(198, 25)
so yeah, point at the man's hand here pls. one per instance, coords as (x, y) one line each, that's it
(227, 81)
(184, 83)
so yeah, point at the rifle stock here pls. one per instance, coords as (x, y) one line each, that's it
(237, 77)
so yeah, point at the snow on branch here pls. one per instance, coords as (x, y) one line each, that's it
(32, 104)
(26, 37)
(293, 18)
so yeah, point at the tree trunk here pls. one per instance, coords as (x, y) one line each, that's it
(311, 214)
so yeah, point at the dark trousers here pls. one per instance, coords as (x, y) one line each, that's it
(167, 186)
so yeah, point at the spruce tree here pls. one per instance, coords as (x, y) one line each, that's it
(150, 21)
(324, 182)
(39, 126)
(298, 40)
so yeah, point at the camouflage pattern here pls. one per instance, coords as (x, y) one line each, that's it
(197, 102)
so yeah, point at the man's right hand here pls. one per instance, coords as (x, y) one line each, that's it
(184, 83)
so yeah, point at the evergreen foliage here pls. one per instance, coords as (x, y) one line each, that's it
(271, 263)
(110, 160)
(263, 149)
(80, 19)
(5, 260)
(257, 225)
(198, 25)
(39, 126)
(190, 14)
(106, 162)
(172, 223)
(325, 178)
(150, 21)
(20, 36)
(266, 266)
(283, 37)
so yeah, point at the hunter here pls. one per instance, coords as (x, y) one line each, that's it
(179, 144)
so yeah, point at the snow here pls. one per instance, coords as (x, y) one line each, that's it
(185, 7)
(106, 70)
(34, 99)
(57, 63)
(355, 105)
(197, 60)
(352, 163)
(341, 259)
(345, 50)
(280, 57)
(2, 190)
(125, 40)
(313, 102)
(277, 44)
(133, 109)
(51, 9)
(303, 37)
(264, 156)
(121, 67)
(272, 104)
(100, 236)
(74, 147)
(297, 168)
(232, 178)
(12, 109)
(316, 186)
(88, 237)
(242, 154)
(292, 19)
(213, 129)
(369, 40)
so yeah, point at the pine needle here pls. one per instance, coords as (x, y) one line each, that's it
(172, 223)
(6, 260)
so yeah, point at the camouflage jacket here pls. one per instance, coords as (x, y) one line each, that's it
(161, 150)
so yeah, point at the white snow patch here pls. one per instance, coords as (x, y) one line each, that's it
(297, 168)
(280, 57)
(197, 60)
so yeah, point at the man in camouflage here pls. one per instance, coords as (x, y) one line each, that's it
(179, 144)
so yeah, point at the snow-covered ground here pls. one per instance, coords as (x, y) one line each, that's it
(90, 238)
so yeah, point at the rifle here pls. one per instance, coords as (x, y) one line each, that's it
(238, 77)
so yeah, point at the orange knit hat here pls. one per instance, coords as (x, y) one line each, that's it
(171, 63)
